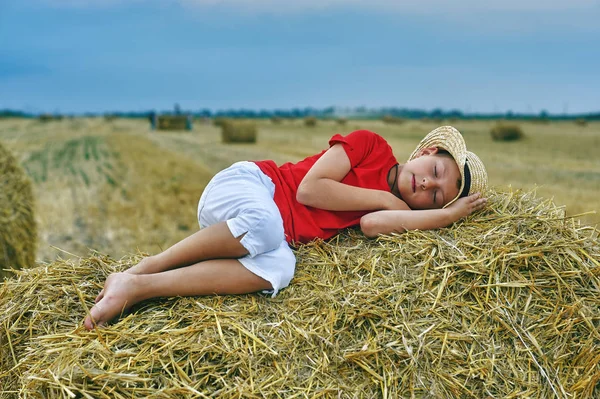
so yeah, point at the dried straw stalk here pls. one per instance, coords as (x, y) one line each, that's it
(18, 231)
(502, 305)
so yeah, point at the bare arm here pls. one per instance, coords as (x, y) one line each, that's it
(391, 221)
(322, 187)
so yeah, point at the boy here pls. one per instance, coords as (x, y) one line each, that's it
(251, 212)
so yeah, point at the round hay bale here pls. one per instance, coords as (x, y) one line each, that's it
(506, 132)
(174, 122)
(390, 119)
(233, 131)
(18, 233)
(46, 117)
(310, 121)
(108, 117)
(502, 304)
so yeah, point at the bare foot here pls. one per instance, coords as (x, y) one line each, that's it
(140, 268)
(117, 296)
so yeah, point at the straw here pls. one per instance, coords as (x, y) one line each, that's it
(17, 225)
(504, 304)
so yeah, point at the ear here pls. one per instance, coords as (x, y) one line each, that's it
(428, 151)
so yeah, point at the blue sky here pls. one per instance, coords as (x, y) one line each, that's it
(477, 56)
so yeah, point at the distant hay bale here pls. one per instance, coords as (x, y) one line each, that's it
(174, 122)
(393, 120)
(233, 131)
(18, 233)
(502, 304)
(310, 121)
(581, 122)
(46, 117)
(341, 121)
(506, 132)
(276, 120)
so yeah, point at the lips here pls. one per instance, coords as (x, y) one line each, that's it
(414, 184)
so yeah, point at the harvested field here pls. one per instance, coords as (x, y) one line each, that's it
(97, 184)
(502, 305)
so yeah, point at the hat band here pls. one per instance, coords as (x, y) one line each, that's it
(467, 187)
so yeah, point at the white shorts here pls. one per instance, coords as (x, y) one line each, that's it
(242, 196)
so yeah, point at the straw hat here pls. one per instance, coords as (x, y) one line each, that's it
(472, 172)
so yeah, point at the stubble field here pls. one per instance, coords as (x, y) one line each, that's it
(118, 188)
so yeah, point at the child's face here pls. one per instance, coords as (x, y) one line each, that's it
(429, 181)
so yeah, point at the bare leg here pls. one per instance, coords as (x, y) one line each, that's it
(212, 242)
(219, 276)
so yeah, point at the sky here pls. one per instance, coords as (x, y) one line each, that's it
(75, 56)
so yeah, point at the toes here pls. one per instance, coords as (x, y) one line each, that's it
(94, 318)
(99, 297)
(88, 323)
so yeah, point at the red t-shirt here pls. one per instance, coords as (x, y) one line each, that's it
(371, 158)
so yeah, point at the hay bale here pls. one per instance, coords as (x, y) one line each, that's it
(394, 120)
(342, 121)
(233, 131)
(502, 304)
(310, 121)
(18, 233)
(46, 117)
(174, 122)
(506, 132)
(108, 117)
(581, 122)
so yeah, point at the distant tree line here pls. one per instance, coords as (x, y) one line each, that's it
(325, 113)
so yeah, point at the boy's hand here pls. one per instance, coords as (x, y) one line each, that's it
(467, 205)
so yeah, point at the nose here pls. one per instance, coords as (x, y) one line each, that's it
(427, 184)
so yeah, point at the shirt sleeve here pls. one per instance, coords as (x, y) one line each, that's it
(358, 144)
